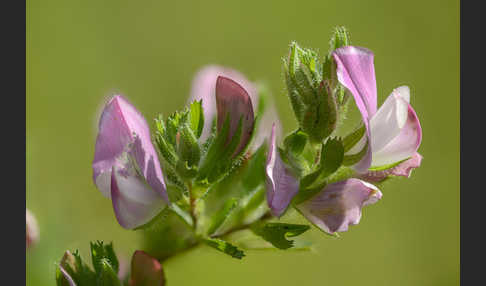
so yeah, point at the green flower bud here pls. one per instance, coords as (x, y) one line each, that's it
(313, 102)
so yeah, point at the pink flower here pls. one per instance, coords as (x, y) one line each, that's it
(126, 167)
(393, 131)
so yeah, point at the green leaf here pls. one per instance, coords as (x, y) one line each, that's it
(77, 269)
(389, 166)
(340, 38)
(183, 214)
(225, 247)
(254, 175)
(277, 233)
(220, 158)
(196, 117)
(101, 253)
(188, 146)
(355, 158)
(332, 156)
(248, 240)
(220, 217)
(354, 137)
(107, 276)
(295, 142)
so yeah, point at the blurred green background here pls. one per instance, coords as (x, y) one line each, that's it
(81, 52)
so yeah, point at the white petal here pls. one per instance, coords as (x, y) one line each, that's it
(388, 121)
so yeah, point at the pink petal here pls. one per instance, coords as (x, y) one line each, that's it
(404, 145)
(403, 169)
(232, 100)
(121, 124)
(339, 204)
(134, 201)
(146, 270)
(356, 71)
(281, 185)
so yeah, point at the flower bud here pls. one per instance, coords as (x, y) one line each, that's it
(312, 100)
(146, 270)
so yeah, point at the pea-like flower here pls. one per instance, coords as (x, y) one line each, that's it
(204, 87)
(339, 204)
(126, 167)
(281, 184)
(393, 132)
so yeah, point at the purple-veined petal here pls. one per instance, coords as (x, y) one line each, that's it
(204, 87)
(403, 145)
(389, 120)
(121, 124)
(339, 204)
(232, 100)
(66, 275)
(31, 229)
(146, 270)
(134, 201)
(356, 71)
(281, 185)
(404, 169)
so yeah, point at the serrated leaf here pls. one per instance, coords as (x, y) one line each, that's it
(225, 247)
(277, 233)
(332, 155)
(196, 117)
(166, 149)
(248, 240)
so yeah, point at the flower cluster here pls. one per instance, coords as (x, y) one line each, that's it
(328, 179)
(218, 168)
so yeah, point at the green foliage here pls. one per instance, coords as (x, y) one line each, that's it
(196, 117)
(101, 252)
(355, 158)
(354, 137)
(244, 186)
(220, 217)
(246, 239)
(295, 142)
(331, 158)
(225, 247)
(220, 155)
(277, 233)
(105, 265)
